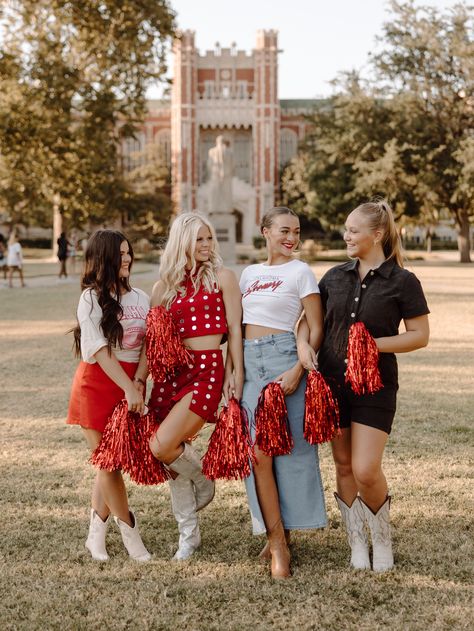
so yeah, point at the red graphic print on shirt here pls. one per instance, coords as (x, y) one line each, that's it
(258, 285)
(133, 335)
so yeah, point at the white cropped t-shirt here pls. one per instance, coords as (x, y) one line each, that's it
(135, 305)
(271, 294)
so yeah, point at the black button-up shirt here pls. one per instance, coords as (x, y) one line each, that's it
(387, 295)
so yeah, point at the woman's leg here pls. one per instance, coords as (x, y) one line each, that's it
(342, 455)
(109, 494)
(346, 497)
(368, 446)
(190, 490)
(267, 493)
(180, 425)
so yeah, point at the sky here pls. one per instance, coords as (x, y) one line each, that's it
(318, 38)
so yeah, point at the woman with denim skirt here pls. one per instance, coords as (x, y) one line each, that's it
(284, 492)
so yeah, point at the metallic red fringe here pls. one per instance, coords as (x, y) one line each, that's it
(146, 468)
(230, 448)
(119, 441)
(124, 445)
(321, 413)
(362, 361)
(164, 349)
(273, 435)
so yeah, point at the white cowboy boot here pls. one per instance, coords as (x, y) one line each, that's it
(379, 526)
(188, 464)
(354, 521)
(95, 541)
(183, 503)
(132, 540)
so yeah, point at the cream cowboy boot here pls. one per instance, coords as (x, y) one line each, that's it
(354, 521)
(379, 526)
(183, 503)
(132, 540)
(95, 541)
(188, 464)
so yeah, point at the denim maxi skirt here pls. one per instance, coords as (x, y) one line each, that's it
(297, 475)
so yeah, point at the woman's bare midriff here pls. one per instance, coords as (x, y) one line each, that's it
(254, 331)
(203, 343)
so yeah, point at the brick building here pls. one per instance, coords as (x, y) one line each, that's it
(232, 93)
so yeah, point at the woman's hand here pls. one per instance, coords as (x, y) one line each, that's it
(233, 386)
(139, 385)
(290, 379)
(307, 356)
(134, 400)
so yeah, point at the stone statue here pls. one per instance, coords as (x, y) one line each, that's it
(220, 164)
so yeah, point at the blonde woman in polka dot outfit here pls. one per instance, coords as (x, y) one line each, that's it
(203, 298)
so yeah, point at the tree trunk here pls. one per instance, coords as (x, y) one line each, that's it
(464, 241)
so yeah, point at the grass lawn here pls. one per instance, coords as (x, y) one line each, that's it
(48, 581)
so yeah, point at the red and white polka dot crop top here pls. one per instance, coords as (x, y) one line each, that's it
(199, 314)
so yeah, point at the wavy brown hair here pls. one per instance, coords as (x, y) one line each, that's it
(101, 274)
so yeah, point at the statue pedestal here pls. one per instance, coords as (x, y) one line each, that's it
(224, 224)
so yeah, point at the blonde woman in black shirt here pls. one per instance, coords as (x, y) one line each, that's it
(373, 288)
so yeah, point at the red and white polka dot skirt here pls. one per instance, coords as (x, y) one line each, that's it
(204, 377)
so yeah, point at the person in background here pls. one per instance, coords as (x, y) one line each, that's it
(3, 256)
(63, 245)
(72, 249)
(14, 259)
(284, 492)
(375, 289)
(109, 337)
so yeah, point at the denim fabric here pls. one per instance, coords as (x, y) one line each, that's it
(297, 474)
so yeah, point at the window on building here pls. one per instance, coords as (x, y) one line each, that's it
(288, 146)
(208, 89)
(225, 91)
(242, 90)
(133, 152)
(163, 142)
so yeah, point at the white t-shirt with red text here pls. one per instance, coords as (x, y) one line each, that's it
(135, 305)
(272, 294)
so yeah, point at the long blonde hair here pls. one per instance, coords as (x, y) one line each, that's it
(380, 217)
(179, 250)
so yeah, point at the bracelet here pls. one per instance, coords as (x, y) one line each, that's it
(139, 380)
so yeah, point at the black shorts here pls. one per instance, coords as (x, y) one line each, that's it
(375, 410)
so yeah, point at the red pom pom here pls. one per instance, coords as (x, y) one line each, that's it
(273, 435)
(146, 468)
(362, 361)
(124, 445)
(164, 349)
(230, 449)
(118, 442)
(321, 413)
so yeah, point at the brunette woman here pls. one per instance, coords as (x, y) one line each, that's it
(109, 336)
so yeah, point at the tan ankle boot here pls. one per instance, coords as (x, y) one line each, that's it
(265, 554)
(280, 567)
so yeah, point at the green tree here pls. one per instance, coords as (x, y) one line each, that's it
(77, 74)
(429, 56)
(407, 134)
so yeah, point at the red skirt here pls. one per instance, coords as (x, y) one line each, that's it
(94, 395)
(204, 378)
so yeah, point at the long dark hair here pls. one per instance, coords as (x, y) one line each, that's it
(101, 274)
